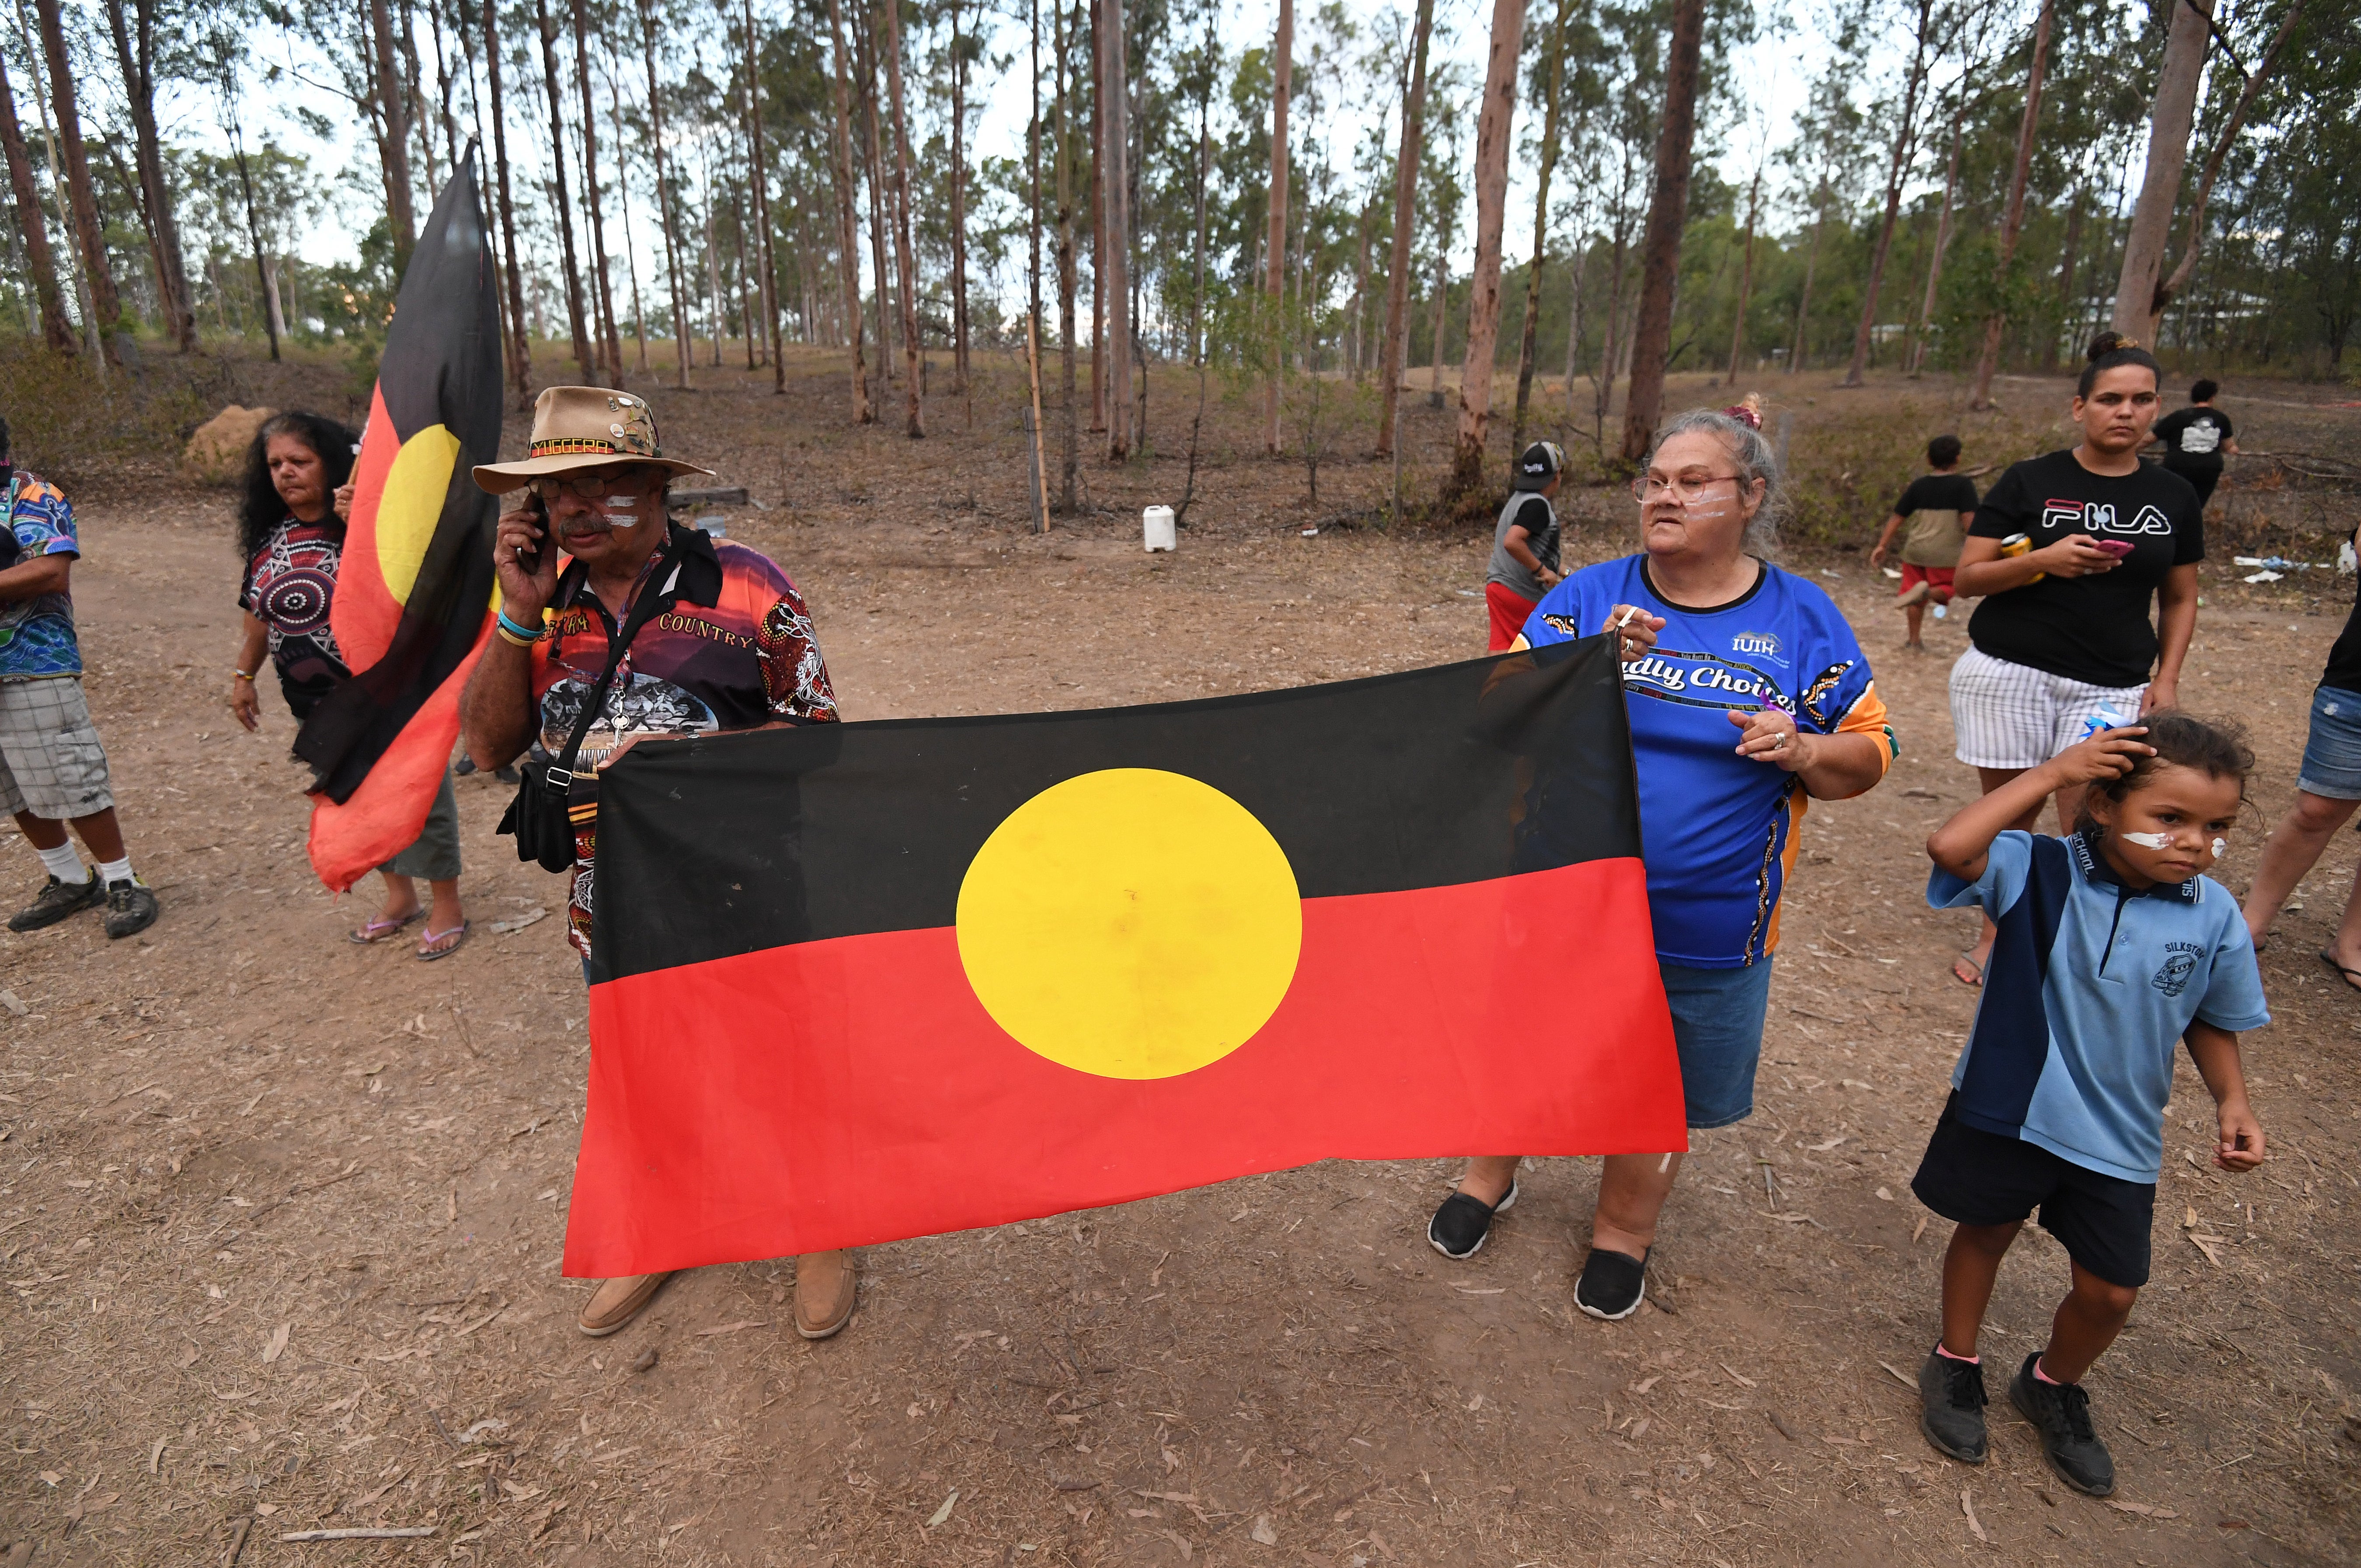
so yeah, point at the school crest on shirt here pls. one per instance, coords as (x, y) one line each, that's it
(2179, 963)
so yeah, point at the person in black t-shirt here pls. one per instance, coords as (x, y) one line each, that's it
(2327, 789)
(2070, 551)
(1943, 503)
(2196, 439)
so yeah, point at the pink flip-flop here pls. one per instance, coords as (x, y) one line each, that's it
(380, 929)
(428, 952)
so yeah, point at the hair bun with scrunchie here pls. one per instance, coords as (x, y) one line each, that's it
(2108, 343)
(1748, 413)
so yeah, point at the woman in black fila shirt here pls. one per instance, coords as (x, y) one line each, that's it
(2063, 639)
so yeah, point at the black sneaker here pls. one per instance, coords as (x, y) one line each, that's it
(1612, 1283)
(55, 902)
(2060, 1414)
(1459, 1227)
(130, 908)
(1952, 1394)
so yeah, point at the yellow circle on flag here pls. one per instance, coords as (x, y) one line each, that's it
(1130, 923)
(416, 483)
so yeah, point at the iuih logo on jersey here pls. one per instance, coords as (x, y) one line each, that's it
(1761, 644)
(2100, 517)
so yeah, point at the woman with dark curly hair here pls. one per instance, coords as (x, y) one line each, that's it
(291, 532)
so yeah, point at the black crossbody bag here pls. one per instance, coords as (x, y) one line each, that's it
(538, 817)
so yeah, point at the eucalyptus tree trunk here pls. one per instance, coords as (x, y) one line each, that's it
(1942, 234)
(603, 288)
(2173, 116)
(959, 213)
(1494, 123)
(684, 350)
(2011, 221)
(760, 176)
(56, 330)
(583, 353)
(1745, 276)
(1906, 138)
(1406, 162)
(1067, 500)
(1114, 259)
(905, 257)
(1541, 222)
(1659, 250)
(393, 148)
(848, 225)
(135, 54)
(1275, 249)
(520, 359)
(105, 305)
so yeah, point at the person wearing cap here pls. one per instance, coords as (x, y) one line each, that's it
(1524, 545)
(733, 649)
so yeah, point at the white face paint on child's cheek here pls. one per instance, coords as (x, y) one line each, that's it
(2220, 845)
(2147, 840)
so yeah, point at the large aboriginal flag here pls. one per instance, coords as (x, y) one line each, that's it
(415, 591)
(853, 982)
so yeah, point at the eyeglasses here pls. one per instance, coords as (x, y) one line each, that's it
(589, 486)
(1682, 491)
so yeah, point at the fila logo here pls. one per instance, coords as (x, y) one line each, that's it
(2150, 521)
(2100, 517)
(2061, 514)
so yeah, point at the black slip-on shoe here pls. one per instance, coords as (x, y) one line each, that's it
(1612, 1283)
(55, 902)
(1951, 1393)
(1459, 1227)
(131, 907)
(2060, 1414)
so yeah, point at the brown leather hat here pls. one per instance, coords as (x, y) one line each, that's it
(584, 427)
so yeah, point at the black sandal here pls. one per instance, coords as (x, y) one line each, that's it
(1459, 1228)
(2349, 975)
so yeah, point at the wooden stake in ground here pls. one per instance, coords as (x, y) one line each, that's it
(1660, 252)
(1493, 125)
(906, 261)
(1275, 247)
(2013, 216)
(1114, 247)
(848, 225)
(1413, 132)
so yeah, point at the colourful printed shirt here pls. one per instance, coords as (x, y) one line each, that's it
(2091, 983)
(37, 635)
(734, 651)
(1721, 831)
(289, 586)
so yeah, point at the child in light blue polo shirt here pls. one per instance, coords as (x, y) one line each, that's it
(2112, 947)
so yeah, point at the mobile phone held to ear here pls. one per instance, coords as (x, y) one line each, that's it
(528, 557)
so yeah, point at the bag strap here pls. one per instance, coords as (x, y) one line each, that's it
(645, 609)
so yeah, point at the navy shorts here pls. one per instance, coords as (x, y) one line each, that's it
(2332, 752)
(1718, 1028)
(1975, 1178)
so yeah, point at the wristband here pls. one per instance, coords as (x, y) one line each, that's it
(241, 675)
(523, 636)
(510, 638)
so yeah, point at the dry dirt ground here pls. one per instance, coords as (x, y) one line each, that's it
(280, 1216)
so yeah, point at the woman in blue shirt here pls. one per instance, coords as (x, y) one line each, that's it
(1749, 695)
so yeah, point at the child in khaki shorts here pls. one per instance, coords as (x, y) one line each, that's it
(1939, 506)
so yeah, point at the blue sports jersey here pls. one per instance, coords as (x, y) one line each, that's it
(1720, 830)
(2091, 983)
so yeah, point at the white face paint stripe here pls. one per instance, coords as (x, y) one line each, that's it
(2220, 845)
(2152, 840)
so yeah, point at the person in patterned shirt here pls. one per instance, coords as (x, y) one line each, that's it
(729, 648)
(52, 768)
(291, 532)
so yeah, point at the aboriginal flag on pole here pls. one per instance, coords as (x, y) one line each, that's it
(853, 982)
(415, 591)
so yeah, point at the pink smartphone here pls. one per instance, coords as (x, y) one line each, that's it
(2118, 548)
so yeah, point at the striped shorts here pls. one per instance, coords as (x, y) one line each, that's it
(51, 762)
(2014, 716)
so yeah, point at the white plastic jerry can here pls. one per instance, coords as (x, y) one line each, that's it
(1158, 528)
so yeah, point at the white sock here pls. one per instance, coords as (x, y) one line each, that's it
(113, 872)
(64, 863)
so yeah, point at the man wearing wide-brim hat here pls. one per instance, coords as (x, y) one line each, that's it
(743, 656)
